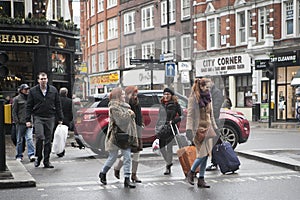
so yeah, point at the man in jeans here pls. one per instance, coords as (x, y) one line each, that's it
(44, 105)
(18, 114)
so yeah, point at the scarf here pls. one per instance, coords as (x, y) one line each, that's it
(205, 99)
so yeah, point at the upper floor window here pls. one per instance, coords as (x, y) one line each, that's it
(15, 9)
(112, 28)
(147, 17)
(101, 32)
(172, 14)
(264, 23)
(100, 5)
(243, 26)
(129, 22)
(213, 33)
(185, 9)
(111, 3)
(172, 46)
(186, 47)
(101, 59)
(93, 35)
(148, 50)
(92, 7)
(289, 17)
(129, 52)
(93, 64)
(112, 59)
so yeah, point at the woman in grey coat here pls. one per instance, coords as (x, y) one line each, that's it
(121, 119)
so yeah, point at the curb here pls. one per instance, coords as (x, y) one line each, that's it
(276, 160)
(20, 176)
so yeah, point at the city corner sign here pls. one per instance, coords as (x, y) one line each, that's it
(230, 64)
(19, 39)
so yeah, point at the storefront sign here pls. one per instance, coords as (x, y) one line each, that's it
(104, 79)
(231, 64)
(262, 64)
(142, 77)
(19, 39)
(286, 59)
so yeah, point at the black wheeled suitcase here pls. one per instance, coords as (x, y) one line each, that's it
(226, 158)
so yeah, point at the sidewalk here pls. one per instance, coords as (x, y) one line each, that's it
(17, 176)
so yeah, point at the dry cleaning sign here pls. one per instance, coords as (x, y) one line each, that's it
(230, 64)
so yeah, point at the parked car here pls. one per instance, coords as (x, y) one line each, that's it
(91, 123)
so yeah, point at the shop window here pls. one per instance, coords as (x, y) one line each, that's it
(244, 91)
(58, 63)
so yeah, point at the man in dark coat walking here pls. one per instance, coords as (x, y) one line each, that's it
(43, 103)
(66, 104)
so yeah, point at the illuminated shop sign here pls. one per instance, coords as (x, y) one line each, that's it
(286, 58)
(105, 78)
(229, 64)
(19, 39)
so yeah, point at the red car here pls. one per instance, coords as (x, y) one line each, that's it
(91, 123)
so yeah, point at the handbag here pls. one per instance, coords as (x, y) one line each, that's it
(203, 133)
(165, 132)
(123, 139)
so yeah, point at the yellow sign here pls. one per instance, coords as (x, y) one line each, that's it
(105, 78)
(19, 39)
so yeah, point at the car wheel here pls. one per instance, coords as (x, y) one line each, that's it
(100, 150)
(229, 134)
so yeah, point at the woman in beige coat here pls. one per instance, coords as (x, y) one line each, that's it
(121, 119)
(200, 116)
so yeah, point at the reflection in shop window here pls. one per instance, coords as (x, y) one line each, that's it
(58, 63)
(244, 91)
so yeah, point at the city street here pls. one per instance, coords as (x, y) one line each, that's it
(75, 176)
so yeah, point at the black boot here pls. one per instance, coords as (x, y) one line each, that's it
(168, 169)
(202, 183)
(128, 184)
(190, 177)
(102, 178)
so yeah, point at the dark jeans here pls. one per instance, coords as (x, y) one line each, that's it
(43, 133)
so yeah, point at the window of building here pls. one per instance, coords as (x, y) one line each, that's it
(111, 3)
(112, 28)
(148, 50)
(289, 9)
(92, 7)
(101, 32)
(16, 9)
(93, 35)
(213, 33)
(172, 13)
(101, 62)
(185, 9)
(129, 53)
(172, 46)
(100, 5)
(244, 90)
(129, 22)
(93, 63)
(112, 59)
(147, 18)
(186, 47)
(241, 27)
(264, 23)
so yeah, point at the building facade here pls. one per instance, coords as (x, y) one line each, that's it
(238, 40)
(37, 35)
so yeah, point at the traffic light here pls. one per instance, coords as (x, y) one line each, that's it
(270, 70)
(3, 59)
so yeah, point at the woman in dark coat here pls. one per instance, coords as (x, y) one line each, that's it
(169, 113)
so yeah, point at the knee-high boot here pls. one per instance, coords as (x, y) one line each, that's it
(134, 178)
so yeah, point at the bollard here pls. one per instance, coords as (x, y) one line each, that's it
(2, 137)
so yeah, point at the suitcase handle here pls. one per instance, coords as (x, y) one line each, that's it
(175, 133)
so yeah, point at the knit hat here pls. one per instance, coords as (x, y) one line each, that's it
(131, 89)
(23, 86)
(169, 91)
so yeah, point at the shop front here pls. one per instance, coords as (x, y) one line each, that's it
(103, 82)
(31, 49)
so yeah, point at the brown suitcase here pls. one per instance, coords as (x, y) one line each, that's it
(186, 156)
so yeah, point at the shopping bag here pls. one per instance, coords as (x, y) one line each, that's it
(60, 138)
(155, 147)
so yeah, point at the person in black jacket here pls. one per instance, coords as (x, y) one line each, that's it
(66, 104)
(43, 103)
(169, 113)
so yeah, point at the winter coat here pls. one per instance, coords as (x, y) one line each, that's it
(200, 118)
(136, 108)
(19, 109)
(66, 104)
(43, 106)
(119, 120)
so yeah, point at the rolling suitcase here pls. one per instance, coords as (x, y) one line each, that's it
(186, 154)
(226, 158)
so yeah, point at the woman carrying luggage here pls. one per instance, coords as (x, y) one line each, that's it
(169, 113)
(121, 120)
(200, 118)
